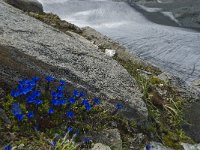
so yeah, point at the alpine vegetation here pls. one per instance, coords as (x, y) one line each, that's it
(47, 105)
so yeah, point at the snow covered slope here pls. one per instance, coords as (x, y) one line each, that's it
(173, 49)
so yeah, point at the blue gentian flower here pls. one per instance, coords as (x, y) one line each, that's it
(86, 140)
(60, 95)
(53, 143)
(148, 147)
(49, 78)
(57, 95)
(70, 114)
(38, 102)
(88, 107)
(96, 101)
(82, 94)
(35, 78)
(8, 147)
(61, 88)
(26, 90)
(30, 114)
(23, 81)
(19, 117)
(72, 100)
(16, 109)
(20, 87)
(55, 102)
(119, 106)
(36, 94)
(54, 94)
(62, 82)
(30, 100)
(51, 111)
(69, 129)
(85, 102)
(76, 93)
(15, 93)
(62, 102)
(31, 83)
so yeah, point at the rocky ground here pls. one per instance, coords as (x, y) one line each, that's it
(29, 47)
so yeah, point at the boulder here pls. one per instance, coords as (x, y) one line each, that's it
(99, 146)
(26, 5)
(187, 146)
(29, 47)
(110, 137)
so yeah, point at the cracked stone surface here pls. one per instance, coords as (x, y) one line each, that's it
(28, 47)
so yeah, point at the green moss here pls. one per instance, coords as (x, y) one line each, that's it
(173, 139)
(155, 80)
(55, 21)
(166, 115)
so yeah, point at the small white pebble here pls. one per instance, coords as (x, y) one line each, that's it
(110, 52)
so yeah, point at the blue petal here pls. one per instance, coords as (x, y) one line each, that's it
(19, 117)
(16, 109)
(49, 78)
(82, 94)
(30, 115)
(38, 102)
(72, 100)
(51, 111)
(119, 106)
(76, 93)
(62, 82)
(61, 88)
(69, 129)
(85, 102)
(97, 101)
(8, 147)
(35, 78)
(70, 114)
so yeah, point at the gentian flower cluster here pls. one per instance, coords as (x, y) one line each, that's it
(55, 104)
(25, 87)
(28, 89)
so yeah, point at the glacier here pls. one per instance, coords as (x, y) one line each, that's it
(172, 49)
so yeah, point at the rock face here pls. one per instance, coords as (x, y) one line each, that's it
(110, 137)
(29, 47)
(27, 5)
(190, 146)
(99, 146)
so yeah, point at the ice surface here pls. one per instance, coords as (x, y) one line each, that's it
(173, 49)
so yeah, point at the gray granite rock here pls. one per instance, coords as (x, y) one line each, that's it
(110, 137)
(188, 91)
(100, 146)
(27, 5)
(190, 146)
(29, 47)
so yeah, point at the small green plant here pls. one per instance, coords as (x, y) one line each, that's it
(165, 113)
